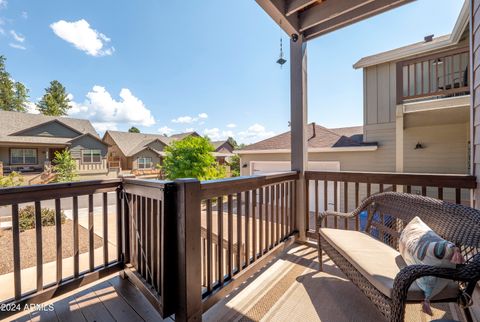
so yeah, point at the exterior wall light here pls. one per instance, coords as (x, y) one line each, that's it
(419, 146)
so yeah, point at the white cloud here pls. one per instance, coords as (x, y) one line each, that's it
(184, 120)
(216, 134)
(24, 15)
(3, 4)
(104, 126)
(17, 46)
(231, 125)
(189, 129)
(83, 37)
(190, 119)
(17, 37)
(254, 133)
(105, 111)
(32, 108)
(166, 130)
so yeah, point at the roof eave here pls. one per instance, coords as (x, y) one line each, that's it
(363, 148)
(421, 47)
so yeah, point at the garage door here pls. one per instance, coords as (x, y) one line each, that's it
(266, 167)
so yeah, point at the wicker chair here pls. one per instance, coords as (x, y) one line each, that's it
(456, 223)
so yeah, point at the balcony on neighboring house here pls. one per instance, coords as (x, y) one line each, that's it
(440, 75)
(238, 248)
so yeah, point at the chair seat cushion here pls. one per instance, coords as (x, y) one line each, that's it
(377, 262)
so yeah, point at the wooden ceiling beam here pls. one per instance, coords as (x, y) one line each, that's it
(294, 6)
(276, 9)
(358, 14)
(328, 10)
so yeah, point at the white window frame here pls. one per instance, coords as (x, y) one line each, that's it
(91, 153)
(144, 163)
(23, 156)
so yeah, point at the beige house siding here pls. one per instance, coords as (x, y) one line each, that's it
(144, 154)
(349, 161)
(380, 94)
(445, 149)
(115, 151)
(475, 57)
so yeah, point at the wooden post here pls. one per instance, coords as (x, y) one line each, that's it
(1, 168)
(298, 112)
(188, 226)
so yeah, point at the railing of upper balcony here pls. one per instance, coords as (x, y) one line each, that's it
(439, 75)
(343, 191)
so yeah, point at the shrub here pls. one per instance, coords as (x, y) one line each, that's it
(26, 217)
(12, 180)
(65, 166)
(191, 158)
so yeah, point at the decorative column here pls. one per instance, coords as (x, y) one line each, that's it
(298, 117)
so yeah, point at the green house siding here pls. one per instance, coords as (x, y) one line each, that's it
(87, 143)
(52, 129)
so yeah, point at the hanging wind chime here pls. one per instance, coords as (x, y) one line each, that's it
(281, 60)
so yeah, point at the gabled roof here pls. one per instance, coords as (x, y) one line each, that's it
(319, 138)
(438, 43)
(217, 144)
(132, 143)
(15, 122)
(89, 135)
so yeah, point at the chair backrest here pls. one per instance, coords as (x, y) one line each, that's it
(390, 212)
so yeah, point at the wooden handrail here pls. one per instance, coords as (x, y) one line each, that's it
(408, 179)
(214, 188)
(23, 194)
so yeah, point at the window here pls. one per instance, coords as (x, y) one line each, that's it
(91, 156)
(23, 156)
(144, 163)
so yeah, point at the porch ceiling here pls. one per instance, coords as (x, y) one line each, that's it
(313, 18)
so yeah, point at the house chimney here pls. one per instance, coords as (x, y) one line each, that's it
(428, 38)
(314, 134)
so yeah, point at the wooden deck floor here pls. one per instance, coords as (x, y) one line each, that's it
(290, 288)
(109, 299)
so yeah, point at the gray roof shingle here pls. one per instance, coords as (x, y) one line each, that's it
(14, 122)
(320, 138)
(132, 143)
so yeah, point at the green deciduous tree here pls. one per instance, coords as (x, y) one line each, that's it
(55, 101)
(192, 158)
(13, 95)
(235, 165)
(133, 129)
(65, 166)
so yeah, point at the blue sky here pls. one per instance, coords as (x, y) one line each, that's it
(171, 66)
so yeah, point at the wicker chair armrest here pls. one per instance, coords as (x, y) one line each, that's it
(327, 213)
(464, 273)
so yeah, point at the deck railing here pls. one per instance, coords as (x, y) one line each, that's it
(343, 191)
(87, 266)
(249, 217)
(186, 243)
(440, 75)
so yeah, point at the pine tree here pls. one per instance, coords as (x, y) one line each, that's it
(13, 95)
(55, 101)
